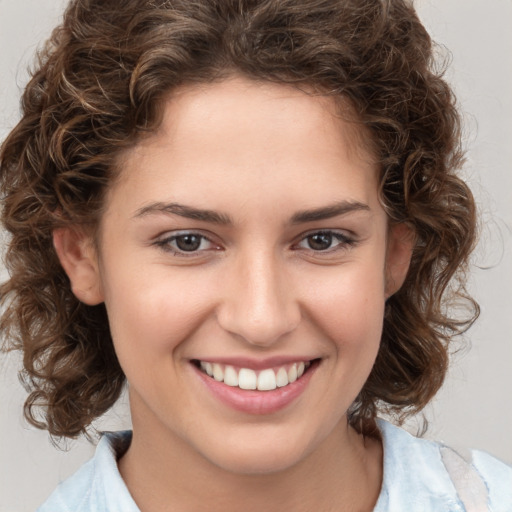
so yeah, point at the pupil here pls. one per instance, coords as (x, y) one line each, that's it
(320, 242)
(188, 242)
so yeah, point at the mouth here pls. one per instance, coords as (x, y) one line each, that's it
(267, 379)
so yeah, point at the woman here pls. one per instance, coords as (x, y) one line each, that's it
(250, 212)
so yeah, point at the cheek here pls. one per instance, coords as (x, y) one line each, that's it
(349, 310)
(349, 307)
(150, 316)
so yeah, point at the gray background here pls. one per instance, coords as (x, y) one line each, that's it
(474, 408)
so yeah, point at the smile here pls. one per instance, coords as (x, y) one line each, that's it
(245, 378)
(256, 387)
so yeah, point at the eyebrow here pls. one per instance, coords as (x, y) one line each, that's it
(328, 212)
(185, 211)
(214, 217)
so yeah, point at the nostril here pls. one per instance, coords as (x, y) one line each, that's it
(256, 329)
(258, 306)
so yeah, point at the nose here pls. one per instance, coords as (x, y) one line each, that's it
(258, 302)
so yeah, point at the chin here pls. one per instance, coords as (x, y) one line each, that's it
(270, 454)
(258, 462)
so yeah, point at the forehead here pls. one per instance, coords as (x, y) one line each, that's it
(266, 107)
(253, 138)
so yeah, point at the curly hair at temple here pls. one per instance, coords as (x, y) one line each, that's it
(97, 89)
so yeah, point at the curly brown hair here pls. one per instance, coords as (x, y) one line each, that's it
(97, 89)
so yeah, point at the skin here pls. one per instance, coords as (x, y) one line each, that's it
(258, 154)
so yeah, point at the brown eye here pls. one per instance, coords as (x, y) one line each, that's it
(326, 241)
(320, 241)
(188, 243)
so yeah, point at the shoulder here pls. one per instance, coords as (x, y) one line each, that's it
(424, 475)
(97, 485)
(497, 476)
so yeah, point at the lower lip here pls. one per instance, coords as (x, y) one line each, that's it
(257, 402)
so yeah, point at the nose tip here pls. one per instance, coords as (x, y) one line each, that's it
(261, 308)
(262, 331)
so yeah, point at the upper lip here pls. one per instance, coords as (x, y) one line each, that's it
(256, 364)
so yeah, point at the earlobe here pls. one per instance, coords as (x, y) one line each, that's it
(78, 258)
(401, 244)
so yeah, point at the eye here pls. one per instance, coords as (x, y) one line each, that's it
(183, 244)
(188, 243)
(325, 241)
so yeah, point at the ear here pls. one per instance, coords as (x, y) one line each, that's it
(401, 242)
(77, 255)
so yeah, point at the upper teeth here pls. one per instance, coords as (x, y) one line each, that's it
(245, 378)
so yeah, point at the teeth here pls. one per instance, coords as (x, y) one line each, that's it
(230, 376)
(207, 367)
(292, 373)
(218, 373)
(246, 378)
(267, 380)
(282, 378)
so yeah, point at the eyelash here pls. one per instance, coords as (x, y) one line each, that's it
(344, 242)
(165, 243)
(343, 239)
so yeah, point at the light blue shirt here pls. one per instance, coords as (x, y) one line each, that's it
(419, 476)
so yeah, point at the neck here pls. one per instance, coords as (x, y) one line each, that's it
(164, 473)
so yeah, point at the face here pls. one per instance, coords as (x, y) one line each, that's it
(243, 246)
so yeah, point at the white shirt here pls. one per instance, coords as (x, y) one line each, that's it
(419, 476)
